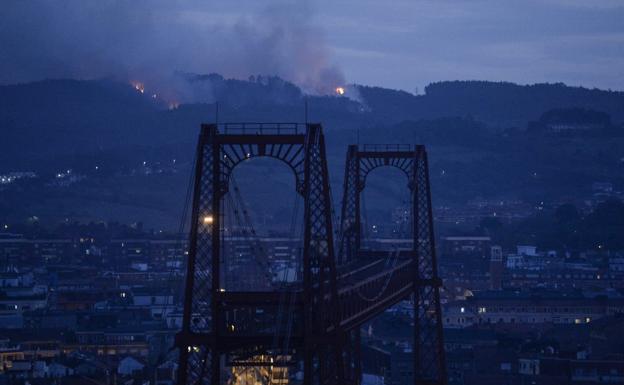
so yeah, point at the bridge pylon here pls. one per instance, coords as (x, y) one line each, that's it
(238, 336)
(308, 332)
(417, 278)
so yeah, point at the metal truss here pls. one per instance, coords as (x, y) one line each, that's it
(223, 328)
(226, 334)
(414, 275)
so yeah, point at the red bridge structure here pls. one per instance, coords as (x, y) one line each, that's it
(304, 330)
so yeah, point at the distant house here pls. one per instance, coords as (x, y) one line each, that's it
(87, 368)
(602, 187)
(454, 245)
(114, 341)
(527, 250)
(158, 301)
(174, 319)
(19, 368)
(139, 266)
(56, 370)
(13, 278)
(129, 365)
(10, 318)
(147, 296)
(515, 261)
(24, 302)
(166, 373)
(371, 379)
(533, 308)
(39, 369)
(616, 263)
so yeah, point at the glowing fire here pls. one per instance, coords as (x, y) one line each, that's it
(139, 87)
(340, 90)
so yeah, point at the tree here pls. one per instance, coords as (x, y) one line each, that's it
(567, 214)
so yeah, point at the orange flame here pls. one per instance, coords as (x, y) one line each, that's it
(139, 87)
(340, 90)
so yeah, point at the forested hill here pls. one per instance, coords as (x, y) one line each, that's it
(56, 118)
(102, 149)
(495, 103)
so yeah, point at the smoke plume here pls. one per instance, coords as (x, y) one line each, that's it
(150, 41)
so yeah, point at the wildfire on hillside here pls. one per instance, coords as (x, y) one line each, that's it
(158, 97)
(138, 86)
(340, 90)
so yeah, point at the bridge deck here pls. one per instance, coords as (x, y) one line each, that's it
(366, 288)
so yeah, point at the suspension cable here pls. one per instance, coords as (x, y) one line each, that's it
(284, 276)
(179, 245)
(388, 278)
(238, 205)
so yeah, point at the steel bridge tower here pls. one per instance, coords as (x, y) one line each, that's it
(228, 329)
(226, 332)
(428, 346)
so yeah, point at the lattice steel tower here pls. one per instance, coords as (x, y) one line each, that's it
(308, 332)
(423, 282)
(225, 329)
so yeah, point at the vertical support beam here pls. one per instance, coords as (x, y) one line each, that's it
(429, 360)
(440, 352)
(214, 216)
(358, 356)
(417, 279)
(195, 361)
(308, 319)
(190, 267)
(320, 281)
(353, 365)
(350, 225)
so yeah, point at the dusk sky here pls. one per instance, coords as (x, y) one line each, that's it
(397, 44)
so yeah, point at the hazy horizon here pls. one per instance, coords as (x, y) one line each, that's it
(318, 45)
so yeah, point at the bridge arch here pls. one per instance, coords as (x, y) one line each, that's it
(367, 165)
(292, 155)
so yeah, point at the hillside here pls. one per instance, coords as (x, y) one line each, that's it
(132, 153)
(497, 104)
